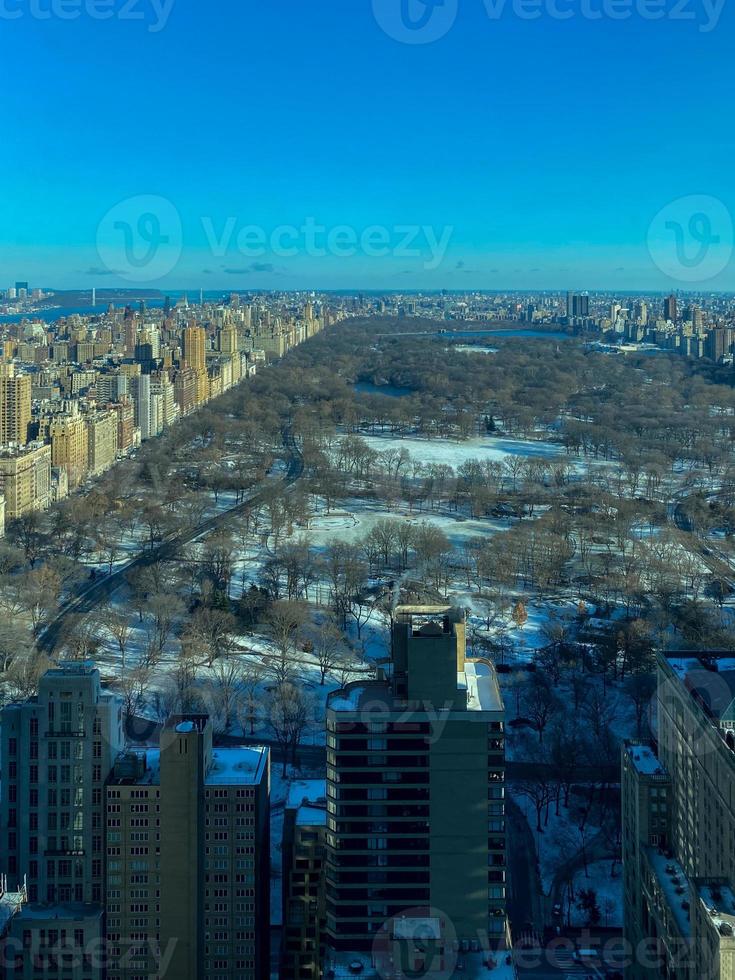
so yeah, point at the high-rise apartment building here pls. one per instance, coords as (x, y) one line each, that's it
(578, 304)
(25, 479)
(415, 793)
(57, 751)
(130, 335)
(15, 406)
(111, 387)
(137, 864)
(304, 894)
(228, 339)
(671, 308)
(125, 416)
(640, 312)
(162, 388)
(718, 343)
(188, 859)
(70, 444)
(186, 390)
(140, 390)
(679, 825)
(101, 441)
(215, 854)
(193, 351)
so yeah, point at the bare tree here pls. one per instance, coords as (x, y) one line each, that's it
(540, 792)
(328, 645)
(540, 703)
(285, 623)
(223, 693)
(288, 711)
(117, 625)
(209, 635)
(249, 704)
(640, 689)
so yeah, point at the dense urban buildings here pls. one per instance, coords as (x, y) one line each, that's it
(131, 862)
(679, 825)
(91, 388)
(58, 750)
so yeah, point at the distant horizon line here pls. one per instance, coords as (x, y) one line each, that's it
(377, 291)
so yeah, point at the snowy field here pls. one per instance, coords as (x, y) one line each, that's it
(354, 517)
(455, 453)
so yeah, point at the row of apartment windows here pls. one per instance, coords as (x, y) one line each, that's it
(223, 794)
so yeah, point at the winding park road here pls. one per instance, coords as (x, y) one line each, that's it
(96, 593)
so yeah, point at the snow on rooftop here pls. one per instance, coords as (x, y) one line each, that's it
(480, 964)
(241, 764)
(312, 816)
(645, 760)
(306, 791)
(69, 911)
(682, 665)
(674, 885)
(347, 699)
(719, 903)
(10, 903)
(481, 683)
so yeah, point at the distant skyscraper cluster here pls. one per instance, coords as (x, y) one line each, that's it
(80, 393)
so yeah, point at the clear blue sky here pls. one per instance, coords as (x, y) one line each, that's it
(544, 147)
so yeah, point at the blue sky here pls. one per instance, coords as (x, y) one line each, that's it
(528, 153)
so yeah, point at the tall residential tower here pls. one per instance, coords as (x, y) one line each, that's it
(415, 794)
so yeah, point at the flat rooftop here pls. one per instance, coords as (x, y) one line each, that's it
(243, 764)
(645, 760)
(478, 680)
(709, 677)
(481, 683)
(675, 886)
(353, 697)
(417, 616)
(305, 791)
(69, 911)
(10, 903)
(718, 901)
(72, 667)
(469, 965)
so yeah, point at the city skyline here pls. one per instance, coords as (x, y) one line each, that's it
(367, 490)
